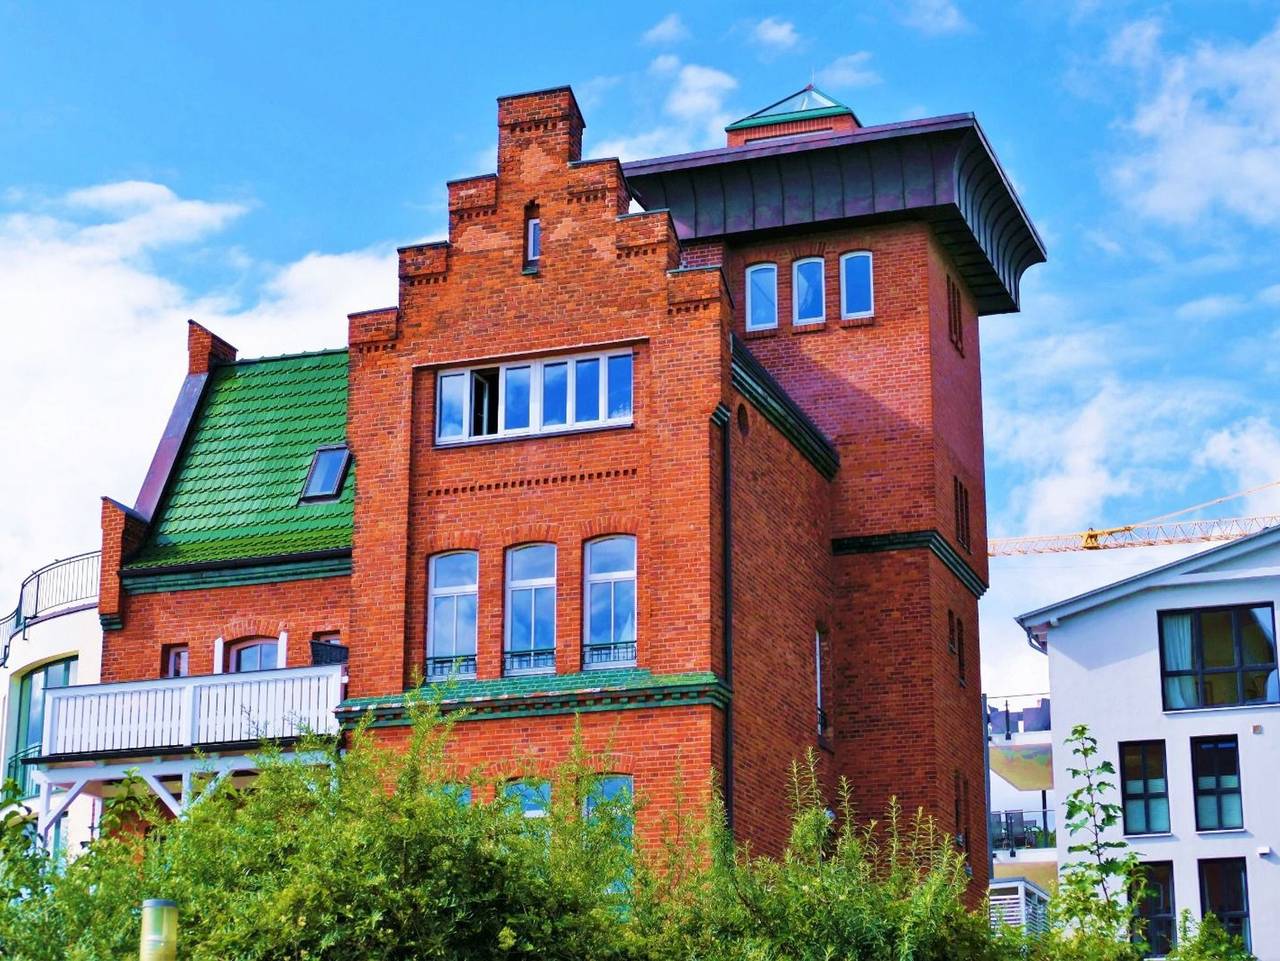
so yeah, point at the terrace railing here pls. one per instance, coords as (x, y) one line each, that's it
(62, 587)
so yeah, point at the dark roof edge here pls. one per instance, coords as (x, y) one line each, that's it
(1008, 186)
(331, 553)
(176, 429)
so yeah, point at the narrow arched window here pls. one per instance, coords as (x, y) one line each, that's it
(808, 291)
(857, 294)
(452, 592)
(532, 236)
(762, 296)
(610, 595)
(531, 609)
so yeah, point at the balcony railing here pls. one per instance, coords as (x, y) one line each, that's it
(1022, 830)
(529, 662)
(443, 668)
(185, 712)
(621, 654)
(63, 587)
(20, 773)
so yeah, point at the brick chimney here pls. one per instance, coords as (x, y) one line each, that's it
(206, 349)
(546, 122)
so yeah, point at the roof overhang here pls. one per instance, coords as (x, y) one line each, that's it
(940, 170)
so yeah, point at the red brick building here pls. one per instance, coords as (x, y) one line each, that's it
(688, 449)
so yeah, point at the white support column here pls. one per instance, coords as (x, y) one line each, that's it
(282, 650)
(162, 792)
(48, 818)
(217, 654)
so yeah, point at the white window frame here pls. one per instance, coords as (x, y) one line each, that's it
(233, 649)
(871, 284)
(530, 583)
(176, 652)
(612, 577)
(530, 226)
(460, 590)
(536, 426)
(796, 320)
(747, 276)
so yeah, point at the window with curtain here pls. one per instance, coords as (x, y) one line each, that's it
(1216, 657)
(1215, 768)
(762, 296)
(1144, 787)
(1157, 909)
(1224, 890)
(808, 291)
(611, 602)
(531, 609)
(453, 590)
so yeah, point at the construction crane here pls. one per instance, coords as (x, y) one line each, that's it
(1164, 529)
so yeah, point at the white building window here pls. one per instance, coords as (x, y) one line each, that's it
(453, 588)
(255, 654)
(857, 294)
(610, 602)
(533, 240)
(762, 297)
(531, 609)
(808, 291)
(547, 396)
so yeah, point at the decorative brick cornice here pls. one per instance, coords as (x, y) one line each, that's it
(931, 540)
(590, 691)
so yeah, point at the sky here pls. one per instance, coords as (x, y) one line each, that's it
(254, 166)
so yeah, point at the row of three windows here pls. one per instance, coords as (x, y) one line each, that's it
(532, 397)
(809, 291)
(529, 647)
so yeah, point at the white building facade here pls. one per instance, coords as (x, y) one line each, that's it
(50, 641)
(1174, 671)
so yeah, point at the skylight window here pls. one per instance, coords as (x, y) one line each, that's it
(328, 471)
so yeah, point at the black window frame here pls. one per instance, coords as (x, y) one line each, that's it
(304, 497)
(1197, 670)
(955, 316)
(964, 535)
(1236, 922)
(1146, 796)
(1164, 920)
(1218, 792)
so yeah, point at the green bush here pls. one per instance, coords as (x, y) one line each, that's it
(369, 854)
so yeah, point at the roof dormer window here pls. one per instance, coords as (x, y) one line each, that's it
(327, 473)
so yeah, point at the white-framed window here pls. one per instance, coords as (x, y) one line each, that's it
(531, 610)
(857, 285)
(452, 596)
(176, 660)
(533, 240)
(610, 591)
(808, 291)
(545, 396)
(254, 654)
(762, 296)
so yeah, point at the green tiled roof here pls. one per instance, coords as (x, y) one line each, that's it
(235, 487)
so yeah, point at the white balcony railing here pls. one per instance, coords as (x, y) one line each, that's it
(192, 711)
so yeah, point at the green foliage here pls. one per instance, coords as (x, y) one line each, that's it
(1206, 941)
(369, 854)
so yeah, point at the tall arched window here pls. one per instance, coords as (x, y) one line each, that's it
(808, 291)
(610, 594)
(253, 654)
(531, 609)
(857, 285)
(30, 727)
(451, 614)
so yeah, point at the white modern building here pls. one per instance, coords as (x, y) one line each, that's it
(51, 640)
(1174, 672)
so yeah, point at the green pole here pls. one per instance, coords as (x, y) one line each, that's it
(159, 931)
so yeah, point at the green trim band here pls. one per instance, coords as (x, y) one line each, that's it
(140, 582)
(111, 622)
(559, 694)
(931, 540)
(771, 119)
(756, 384)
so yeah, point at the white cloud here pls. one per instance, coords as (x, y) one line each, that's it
(670, 29)
(1136, 44)
(775, 34)
(95, 339)
(1270, 295)
(1206, 133)
(934, 17)
(1211, 307)
(851, 70)
(694, 111)
(1249, 454)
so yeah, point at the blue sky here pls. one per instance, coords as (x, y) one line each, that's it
(254, 166)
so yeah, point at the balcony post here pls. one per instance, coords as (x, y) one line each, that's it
(190, 716)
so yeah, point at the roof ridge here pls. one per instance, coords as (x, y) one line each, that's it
(270, 358)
